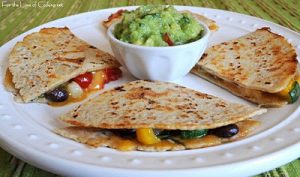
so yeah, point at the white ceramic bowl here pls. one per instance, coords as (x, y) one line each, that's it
(158, 63)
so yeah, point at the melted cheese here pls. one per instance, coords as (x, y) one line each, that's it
(125, 145)
(108, 138)
(245, 128)
(99, 78)
(285, 92)
(8, 79)
(256, 96)
(298, 79)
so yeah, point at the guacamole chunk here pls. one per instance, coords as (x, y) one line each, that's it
(157, 26)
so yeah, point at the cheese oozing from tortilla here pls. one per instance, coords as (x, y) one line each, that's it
(266, 99)
(285, 92)
(106, 138)
(99, 80)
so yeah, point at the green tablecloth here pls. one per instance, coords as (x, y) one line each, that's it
(16, 20)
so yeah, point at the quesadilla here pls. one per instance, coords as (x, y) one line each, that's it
(117, 16)
(53, 65)
(261, 67)
(157, 116)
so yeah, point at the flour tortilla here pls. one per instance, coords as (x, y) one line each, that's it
(49, 58)
(158, 105)
(254, 66)
(260, 60)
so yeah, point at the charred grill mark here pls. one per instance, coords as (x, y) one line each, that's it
(163, 108)
(186, 99)
(114, 103)
(141, 95)
(151, 118)
(116, 107)
(220, 105)
(178, 86)
(203, 96)
(204, 55)
(137, 93)
(75, 122)
(151, 102)
(120, 89)
(76, 109)
(75, 60)
(92, 47)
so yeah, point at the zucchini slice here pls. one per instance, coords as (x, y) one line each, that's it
(294, 93)
(187, 134)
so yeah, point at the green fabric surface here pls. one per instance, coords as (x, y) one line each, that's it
(16, 20)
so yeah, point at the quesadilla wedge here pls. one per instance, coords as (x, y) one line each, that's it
(117, 16)
(261, 67)
(158, 116)
(55, 66)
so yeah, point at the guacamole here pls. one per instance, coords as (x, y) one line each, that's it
(154, 25)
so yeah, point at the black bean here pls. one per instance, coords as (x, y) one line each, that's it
(57, 95)
(125, 133)
(225, 131)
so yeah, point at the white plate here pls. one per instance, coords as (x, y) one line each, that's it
(26, 129)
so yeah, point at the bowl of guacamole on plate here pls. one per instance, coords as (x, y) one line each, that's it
(156, 42)
(158, 26)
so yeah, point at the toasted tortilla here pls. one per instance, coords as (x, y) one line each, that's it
(256, 66)
(49, 58)
(160, 105)
(260, 60)
(105, 138)
(115, 17)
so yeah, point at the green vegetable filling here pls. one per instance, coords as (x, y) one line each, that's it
(294, 93)
(187, 134)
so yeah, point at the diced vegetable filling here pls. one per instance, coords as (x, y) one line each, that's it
(294, 93)
(77, 87)
(291, 92)
(150, 136)
(146, 136)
